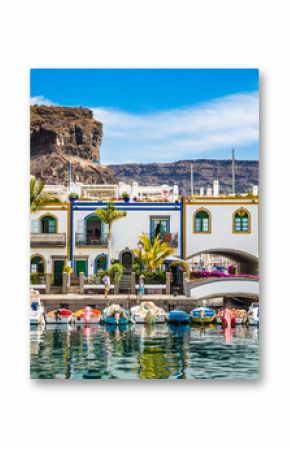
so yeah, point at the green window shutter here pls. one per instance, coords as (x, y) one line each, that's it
(35, 226)
(51, 226)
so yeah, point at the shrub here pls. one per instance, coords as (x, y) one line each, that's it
(116, 268)
(37, 278)
(155, 277)
(183, 266)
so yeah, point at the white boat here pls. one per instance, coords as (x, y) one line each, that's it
(59, 316)
(37, 312)
(148, 312)
(253, 315)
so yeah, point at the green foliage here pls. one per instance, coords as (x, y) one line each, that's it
(110, 214)
(136, 268)
(73, 195)
(67, 269)
(155, 277)
(116, 268)
(125, 195)
(179, 263)
(153, 253)
(37, 278)
(38, 198)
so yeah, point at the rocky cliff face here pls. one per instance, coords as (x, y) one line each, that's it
(205, 172)
(62, 134)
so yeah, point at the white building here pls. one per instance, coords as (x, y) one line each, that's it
(71, 233)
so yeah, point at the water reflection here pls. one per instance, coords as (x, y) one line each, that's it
(144, 352)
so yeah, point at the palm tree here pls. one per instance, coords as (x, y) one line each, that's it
(108, 216)
(38, 198)
(153, 253)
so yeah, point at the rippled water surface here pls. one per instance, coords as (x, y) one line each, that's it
(141, 352)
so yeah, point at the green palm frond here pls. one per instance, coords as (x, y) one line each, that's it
(110, 214)
(38, 198)
(153, 253)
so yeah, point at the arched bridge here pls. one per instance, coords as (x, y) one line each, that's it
(224, 287)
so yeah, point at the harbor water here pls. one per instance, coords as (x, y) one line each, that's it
(142, 352)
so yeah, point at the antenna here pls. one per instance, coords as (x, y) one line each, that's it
(191, 180)
(233, 172)
(69, 175)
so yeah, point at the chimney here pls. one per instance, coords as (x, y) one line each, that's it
(209, 191)
(216, 187)
(201, 191)
(255, 190)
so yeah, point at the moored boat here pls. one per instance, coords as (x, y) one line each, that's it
(87, 315)
(203, 315)
(115, 315)
(37, 312)
(147, 312)
(178, 317)
(59, 316)
(253, 315)
(239, 316)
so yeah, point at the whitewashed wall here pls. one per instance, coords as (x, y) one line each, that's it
(221, 235)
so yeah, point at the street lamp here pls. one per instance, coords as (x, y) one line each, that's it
(140, 246)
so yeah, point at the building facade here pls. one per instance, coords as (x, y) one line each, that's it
(71, 233)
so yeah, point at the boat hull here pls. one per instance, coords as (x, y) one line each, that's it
(60, 320)
(178, 317)
(111, 320)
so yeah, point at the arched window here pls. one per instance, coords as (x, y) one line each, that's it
(101, 262)
(241, 221)
(202, 221)
(37, 265)
(48, 224)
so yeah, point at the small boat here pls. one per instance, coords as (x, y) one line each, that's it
(238, 315)
(37, 312)
(87, 315)
(203, 315)
(178, 317)
(59, 316)
(115, 315)
(253, 315)
(148, 313)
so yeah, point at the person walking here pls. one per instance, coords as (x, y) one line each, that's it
(107, 283)
(141, 286)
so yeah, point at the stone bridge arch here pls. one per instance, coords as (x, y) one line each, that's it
(246, 262)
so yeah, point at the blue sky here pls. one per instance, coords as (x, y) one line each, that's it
(161, 115)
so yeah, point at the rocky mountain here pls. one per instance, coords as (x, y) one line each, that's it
(205, 172)
(59, 135)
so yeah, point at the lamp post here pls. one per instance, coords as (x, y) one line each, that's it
(140, 246)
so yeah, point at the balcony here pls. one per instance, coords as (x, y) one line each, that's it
(170, 238)
(48, 240)
(87, 240)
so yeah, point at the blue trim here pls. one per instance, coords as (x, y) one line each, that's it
(135, 209)
(71, 255)
(96, 259)
(122, 204)
(181, 231)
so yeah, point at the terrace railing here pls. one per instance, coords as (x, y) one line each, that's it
(47, 240)
(86, 240)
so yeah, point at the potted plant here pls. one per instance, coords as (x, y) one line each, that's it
(67, 269)
(73, 196)
(126, 197)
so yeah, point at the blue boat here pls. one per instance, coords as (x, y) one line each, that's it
(115, 315)
(112, 321)
(203, 315)
(178, 317)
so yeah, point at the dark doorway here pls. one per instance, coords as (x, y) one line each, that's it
(57, 271)
(127, 260)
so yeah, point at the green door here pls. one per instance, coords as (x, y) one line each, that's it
(81, 266)
(57, 273)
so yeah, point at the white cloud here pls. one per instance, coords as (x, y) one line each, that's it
(180, 133)
(40, 100)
